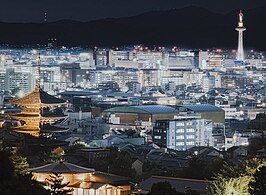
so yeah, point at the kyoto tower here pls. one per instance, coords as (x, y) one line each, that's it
(240, 29)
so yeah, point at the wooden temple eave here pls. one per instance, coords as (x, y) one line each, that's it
(37, 105)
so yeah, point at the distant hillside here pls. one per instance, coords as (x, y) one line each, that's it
(190, 27)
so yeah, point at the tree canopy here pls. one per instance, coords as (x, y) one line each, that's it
(13, 183)
(56, 185)
(237, 179)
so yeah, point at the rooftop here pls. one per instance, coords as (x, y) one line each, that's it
(79, 93)
(38, 96)
(61, 167)
(180, 184)
(144, 109)
(110, 178)
(201, 108)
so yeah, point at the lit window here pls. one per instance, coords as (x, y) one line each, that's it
(180, 137)
(190, 136)
(180, 131)
(189, 123)
(190, 130)
(178, 124)
(180, 143)
(190, 143)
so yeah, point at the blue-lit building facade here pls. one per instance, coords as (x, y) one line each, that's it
(183, 133)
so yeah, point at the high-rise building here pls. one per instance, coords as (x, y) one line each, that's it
(101, 58)
(118, 56)
(203, 59)
(208, 82)
(182, 60)
(18, 80)
(240, 29)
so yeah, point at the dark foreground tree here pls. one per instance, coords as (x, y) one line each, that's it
(6, 167)
(162, 188)
(258, 186)
(20, 165)
(57, 187)
(13, 184)
(165, 188)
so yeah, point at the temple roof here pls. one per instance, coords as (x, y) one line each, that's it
(61, 167)
(47, 128)
(110, 178)
(10, 136)
(37, 97)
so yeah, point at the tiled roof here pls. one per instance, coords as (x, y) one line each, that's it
(38, 96)
(110, 178)
(61, 167)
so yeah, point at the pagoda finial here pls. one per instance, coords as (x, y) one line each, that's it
(39, 72)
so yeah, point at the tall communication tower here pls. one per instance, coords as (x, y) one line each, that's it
(240, 50)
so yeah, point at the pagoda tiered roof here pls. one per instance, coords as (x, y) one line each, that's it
(32, 121)
(37, 98)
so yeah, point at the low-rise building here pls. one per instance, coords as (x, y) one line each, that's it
(83, 180)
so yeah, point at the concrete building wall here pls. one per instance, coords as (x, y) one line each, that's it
(215, 117)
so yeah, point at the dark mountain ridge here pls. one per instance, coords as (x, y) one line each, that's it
(190, 27)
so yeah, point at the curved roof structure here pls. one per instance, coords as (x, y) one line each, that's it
(144, 109)
(37, 97)
(61, 167)
(202, 108)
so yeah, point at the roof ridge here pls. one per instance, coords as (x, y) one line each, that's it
(43, 166)
(86, 168)
(178, 178)
(65, 165)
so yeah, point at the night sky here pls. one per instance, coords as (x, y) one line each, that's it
(86, 10)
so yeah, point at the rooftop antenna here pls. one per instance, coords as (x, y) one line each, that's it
(45, 17)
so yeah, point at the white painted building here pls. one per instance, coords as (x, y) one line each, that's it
(237, 140)
(187, 132)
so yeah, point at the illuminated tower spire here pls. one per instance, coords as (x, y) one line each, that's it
(38, 85)
(240, 29)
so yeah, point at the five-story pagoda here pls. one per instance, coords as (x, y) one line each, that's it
(33, 118)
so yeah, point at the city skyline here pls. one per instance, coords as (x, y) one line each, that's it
(158, 98)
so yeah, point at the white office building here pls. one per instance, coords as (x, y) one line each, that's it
(186, 133)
